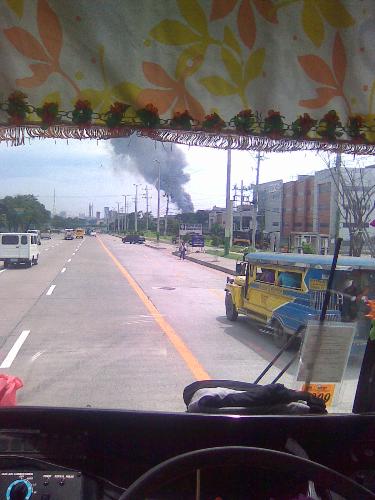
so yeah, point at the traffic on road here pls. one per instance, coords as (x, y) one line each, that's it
(94, 307)
(96, 311)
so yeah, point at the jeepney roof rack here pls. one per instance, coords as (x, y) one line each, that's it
(311, 261)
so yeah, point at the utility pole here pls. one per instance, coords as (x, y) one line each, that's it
(126, 212)
(147, 197)
(255, 203)
(54, 202)
(136, 208)
(166, 214)
(118, 217)
(241, 206)
(158, 215)
(228, 216)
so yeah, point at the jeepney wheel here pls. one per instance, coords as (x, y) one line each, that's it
(280, 337)
(230, 308)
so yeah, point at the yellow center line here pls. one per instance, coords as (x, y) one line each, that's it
(190, 360)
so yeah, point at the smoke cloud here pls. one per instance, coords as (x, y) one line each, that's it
(138, 154)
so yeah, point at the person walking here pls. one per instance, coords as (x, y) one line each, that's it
(183, 250)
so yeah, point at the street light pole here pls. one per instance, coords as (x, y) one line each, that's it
(136, 208)
(118, 217)
(126, 212)
(255, 203)
(158, 215)
(228, 216)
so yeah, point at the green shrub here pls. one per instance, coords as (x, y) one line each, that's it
(308, 248)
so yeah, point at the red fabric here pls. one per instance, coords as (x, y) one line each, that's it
(8, 388)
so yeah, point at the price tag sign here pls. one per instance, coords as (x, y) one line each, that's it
(322, 391)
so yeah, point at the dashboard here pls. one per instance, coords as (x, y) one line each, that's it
(63, 453)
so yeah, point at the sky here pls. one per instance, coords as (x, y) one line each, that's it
(90, 171)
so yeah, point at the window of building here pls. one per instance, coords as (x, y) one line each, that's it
(324, 188)
(275, 224)
(298, 224)
(323, 224)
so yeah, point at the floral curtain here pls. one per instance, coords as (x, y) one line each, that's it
(263, 74)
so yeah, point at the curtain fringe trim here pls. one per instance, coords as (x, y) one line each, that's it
(16, 135)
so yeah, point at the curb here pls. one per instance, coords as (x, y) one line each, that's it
(154, 247)
(208, 264)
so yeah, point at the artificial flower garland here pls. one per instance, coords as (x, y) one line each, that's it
(329, 128)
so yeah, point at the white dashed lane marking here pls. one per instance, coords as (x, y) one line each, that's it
(51, 289)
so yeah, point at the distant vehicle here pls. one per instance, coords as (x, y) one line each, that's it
(45, 235)
(133, 238)
(241, 238)
(19, 248)
(79, 232)
(69, 234)
(196, 240)
(37, 233)
(92, 233)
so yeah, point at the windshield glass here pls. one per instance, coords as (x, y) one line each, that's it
(111, 317)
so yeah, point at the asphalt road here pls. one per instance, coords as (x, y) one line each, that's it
(103, 324)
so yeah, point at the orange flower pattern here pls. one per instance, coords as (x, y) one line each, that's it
(198, 56)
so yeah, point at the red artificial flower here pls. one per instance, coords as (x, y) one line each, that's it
(118, 108)
(152, 109)
(82, 105)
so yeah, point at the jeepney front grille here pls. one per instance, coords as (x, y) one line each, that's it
(317, 299)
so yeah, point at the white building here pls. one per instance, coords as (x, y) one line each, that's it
(329, 217)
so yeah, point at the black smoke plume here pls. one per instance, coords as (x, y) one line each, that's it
(138, 154)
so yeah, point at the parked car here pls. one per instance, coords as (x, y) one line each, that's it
(133, 238)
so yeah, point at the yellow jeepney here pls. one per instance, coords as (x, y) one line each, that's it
(284, 291)
(79, 232)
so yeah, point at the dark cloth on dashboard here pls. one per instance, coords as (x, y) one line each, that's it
(210, 396)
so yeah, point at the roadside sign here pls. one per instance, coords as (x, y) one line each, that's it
(190, 229)
(372, 223)
(321, 391)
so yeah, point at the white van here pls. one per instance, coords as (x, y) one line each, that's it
(37, 232)
(19, 248)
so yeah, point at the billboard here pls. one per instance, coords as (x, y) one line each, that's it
(190, 229)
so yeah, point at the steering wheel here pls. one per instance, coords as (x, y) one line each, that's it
(181, 465)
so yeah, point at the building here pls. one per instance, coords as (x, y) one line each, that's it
(216, 216)
(106, 212)
(297, 206)
(241, 215)
(270, 197)
(319, 243)
(97, 215)
(313, 211)
(331, 216)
